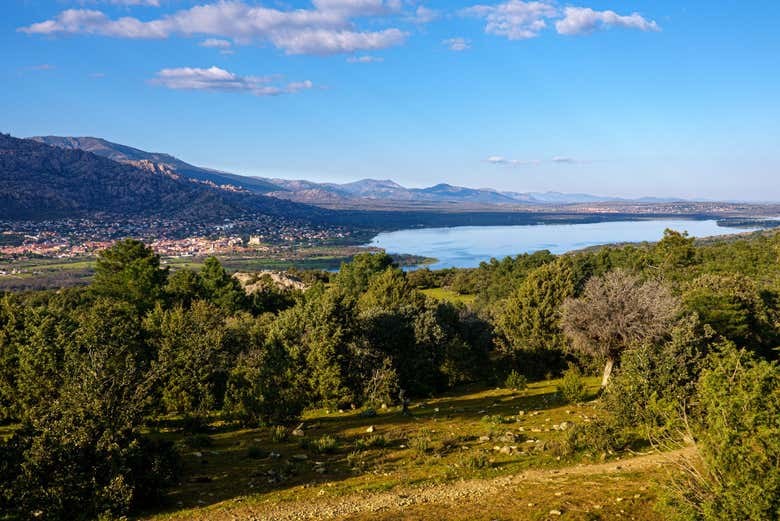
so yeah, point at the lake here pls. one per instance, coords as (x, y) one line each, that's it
(467, 246)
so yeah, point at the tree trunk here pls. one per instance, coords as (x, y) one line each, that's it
(607, 372)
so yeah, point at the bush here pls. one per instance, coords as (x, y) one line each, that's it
(600, 436)
(516, 381)
(572, 387)
(475, 460)
(738, 440)
(376, 440)
(279, 434)
(496, 419)
(421, 444)
(326, 445)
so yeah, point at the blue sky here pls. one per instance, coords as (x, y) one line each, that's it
(627, 98)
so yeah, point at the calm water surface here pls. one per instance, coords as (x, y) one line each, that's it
(467, 246)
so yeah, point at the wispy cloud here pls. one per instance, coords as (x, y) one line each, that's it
(424, 15)
(365, 59)
(570, 160)
(501, 160)
(41, 67)
(150, 3)
(457, 44)
(216, 79)
(327, 28)
(519, 20)
(216, 43)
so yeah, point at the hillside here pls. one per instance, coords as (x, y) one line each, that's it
(126, 154)
(38, 181)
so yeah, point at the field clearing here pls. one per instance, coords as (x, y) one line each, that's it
(449, 296)
(244, 472)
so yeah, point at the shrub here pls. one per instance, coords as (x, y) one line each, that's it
(326, 445)
(572, 387)
(421, 444)
(738, 440)
(475, 460)
(516, 381)
(496, 419)
(279, 434)
(376, 440)
(382, 385)
(599, 436)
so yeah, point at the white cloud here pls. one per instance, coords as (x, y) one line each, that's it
(583, 20)
(216, 79)
(500, 160)
(457, 44)
(325, 41)
(150, 3)
(216, 43)
(519, 20)
(365, 59)
(424, 15)
(514, 19)
(42, 67)
(327, 28)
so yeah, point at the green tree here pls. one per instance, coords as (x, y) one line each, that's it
(130, 271)
(191, 359)
(353, 277)
(736, 308)
(184, 287)
(529, 320)
(220, 288)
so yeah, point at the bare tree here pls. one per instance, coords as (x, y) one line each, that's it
(616, 311)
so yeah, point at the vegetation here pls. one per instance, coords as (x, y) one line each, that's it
(370, 375)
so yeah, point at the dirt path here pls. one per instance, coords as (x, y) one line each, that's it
(442, 494)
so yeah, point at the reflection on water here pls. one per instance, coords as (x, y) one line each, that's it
(467, 246)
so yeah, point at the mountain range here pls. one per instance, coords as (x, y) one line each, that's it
(364, 192)
(39, 181)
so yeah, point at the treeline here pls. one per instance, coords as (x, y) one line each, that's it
(684, 336)
(85, 370)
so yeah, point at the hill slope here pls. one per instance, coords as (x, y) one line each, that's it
(38, 181)
(126, 154)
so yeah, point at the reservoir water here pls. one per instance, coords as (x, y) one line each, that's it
(467, 246)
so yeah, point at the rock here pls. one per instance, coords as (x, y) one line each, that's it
(484, 438)
(508, 437)
(370, 429)
(564, 425)
(384, 406)
(197, 454)
(505, 450)
(555, 513)
(275, 455)
(521, 413)
(298, 431)
(299, 457)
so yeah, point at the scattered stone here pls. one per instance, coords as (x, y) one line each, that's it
(299, 457)
(521, 413)
(197, 454)
(370, 429)
(275, 455)
(298, 431)
(384, 406)
(484, 438)
(555, 513)
(505, 450)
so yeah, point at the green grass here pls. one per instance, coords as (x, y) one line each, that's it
(450, 425)
(449, 296)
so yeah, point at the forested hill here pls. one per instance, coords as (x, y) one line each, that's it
(38, 181)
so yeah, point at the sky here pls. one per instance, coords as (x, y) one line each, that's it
(619, 97)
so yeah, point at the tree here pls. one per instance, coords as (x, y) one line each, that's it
(79, 454)
(184, 287)
(191, 360)
(221, 289)
(130, 271)
(529, 319)
(735, 307)
(353, 277)
(615, 312)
